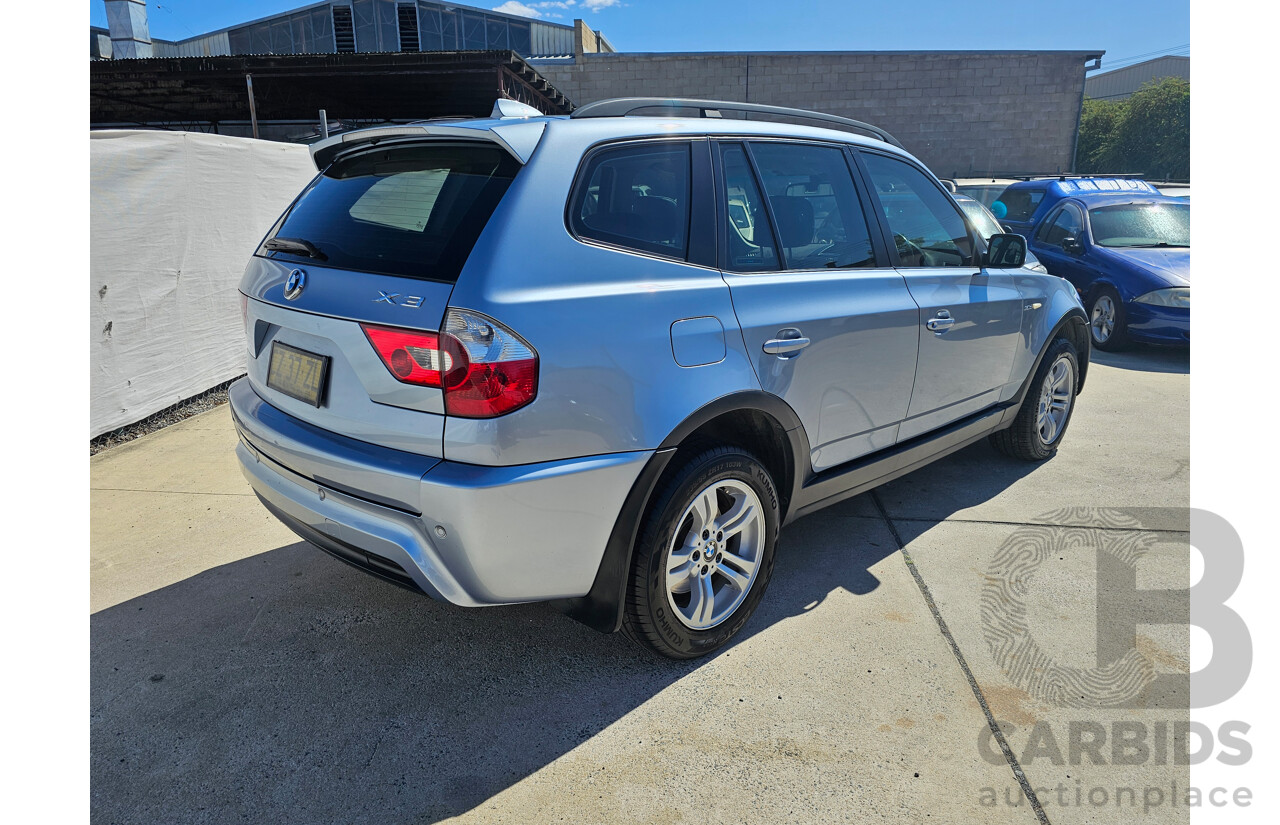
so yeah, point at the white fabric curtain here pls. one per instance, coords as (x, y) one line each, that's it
(174, 217)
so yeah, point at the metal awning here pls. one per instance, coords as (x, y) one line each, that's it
(383, 86)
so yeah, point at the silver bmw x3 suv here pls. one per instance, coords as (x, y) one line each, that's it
(603, 359)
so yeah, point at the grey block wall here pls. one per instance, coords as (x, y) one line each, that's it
(962, 113)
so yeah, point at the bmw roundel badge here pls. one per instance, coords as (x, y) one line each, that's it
(293, 286)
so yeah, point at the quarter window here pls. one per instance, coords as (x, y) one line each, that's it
(927, 227)
(820, 221)
(636, 197)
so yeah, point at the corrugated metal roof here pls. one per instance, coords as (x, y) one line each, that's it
(1120, 83)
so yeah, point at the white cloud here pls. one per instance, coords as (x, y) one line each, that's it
(512, 7)
(596, 5)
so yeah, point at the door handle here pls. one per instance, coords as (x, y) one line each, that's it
(942, 323)
(788, 342)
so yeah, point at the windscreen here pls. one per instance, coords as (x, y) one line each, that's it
(411, 210)
(1142, 224)
(980, 218)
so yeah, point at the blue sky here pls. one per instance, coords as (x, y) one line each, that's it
(1124, 28)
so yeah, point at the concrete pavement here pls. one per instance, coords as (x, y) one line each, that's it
(238, 673)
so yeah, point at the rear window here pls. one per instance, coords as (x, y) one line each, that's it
(414, 211)
(1020, 204)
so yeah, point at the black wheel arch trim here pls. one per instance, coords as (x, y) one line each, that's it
(602, 607)
(1073, 315)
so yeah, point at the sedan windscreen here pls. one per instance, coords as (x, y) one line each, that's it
(1142, 224)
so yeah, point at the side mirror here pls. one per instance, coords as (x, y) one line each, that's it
(1070, 244)
(1005, 251)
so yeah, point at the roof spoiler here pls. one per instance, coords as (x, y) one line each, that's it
(623, 106)
(518, 138)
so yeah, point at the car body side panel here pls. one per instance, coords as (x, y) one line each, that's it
(964, 368)
(1046, 301)
(600, 320)
(851, 385)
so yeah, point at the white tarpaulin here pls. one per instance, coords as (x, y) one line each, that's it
(174, 218)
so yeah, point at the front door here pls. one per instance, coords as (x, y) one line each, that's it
(830, 325)
(1065, 226)
(970, 318)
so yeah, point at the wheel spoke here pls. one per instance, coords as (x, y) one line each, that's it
(705, 509)
(702, 601)
(679, 567)
(742, 513)
(741, 577)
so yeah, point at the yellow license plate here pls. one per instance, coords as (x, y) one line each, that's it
(297, 373)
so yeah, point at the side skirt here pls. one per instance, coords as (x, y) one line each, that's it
(848, 480)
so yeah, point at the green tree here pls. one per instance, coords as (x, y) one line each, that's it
(1149, 133)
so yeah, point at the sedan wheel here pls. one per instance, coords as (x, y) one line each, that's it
(1107, 325)
(1103, 322)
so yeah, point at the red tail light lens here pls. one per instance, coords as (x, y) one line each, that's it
(491, 370)
(485, 369)
(413, 357)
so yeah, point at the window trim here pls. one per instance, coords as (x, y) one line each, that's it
(975, 259)
(696, 187)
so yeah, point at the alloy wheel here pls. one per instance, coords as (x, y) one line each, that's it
(1103, 322)
(1055, 399)
(715, 554)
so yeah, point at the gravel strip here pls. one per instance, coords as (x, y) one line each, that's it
(203, 402)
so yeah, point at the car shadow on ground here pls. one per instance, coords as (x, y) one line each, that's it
(1144, 358)
(288, 687)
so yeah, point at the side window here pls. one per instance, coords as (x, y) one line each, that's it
(749, 238)
(821, 223)
(1020, 204)
(1068, 223)
(927, 227)
(636, 197)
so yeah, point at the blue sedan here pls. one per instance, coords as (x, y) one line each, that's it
(1129, 256)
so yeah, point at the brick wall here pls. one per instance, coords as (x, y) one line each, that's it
(962, 113)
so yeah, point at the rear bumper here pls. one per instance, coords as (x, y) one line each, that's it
(469, 535)
(1158, 325)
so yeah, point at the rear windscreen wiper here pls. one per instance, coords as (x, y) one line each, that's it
(295, 246)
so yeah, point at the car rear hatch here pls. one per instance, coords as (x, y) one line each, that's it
(376, 241)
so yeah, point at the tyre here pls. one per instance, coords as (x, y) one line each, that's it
(704, 554)
(1107, 323)
(1046, 411)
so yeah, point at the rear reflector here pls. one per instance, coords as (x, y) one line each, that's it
(485, 369)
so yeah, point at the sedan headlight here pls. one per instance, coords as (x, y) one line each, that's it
(1179, 297)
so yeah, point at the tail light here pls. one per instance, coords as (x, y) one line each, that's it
(485, 369)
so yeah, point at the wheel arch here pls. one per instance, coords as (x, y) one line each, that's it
(1073, 326)
(754, 420)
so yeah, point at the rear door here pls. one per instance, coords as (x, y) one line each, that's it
(970, 318)
(377, 240)
(830, 325)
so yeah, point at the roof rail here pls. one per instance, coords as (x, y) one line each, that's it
(1060, 176)
(623, 106)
